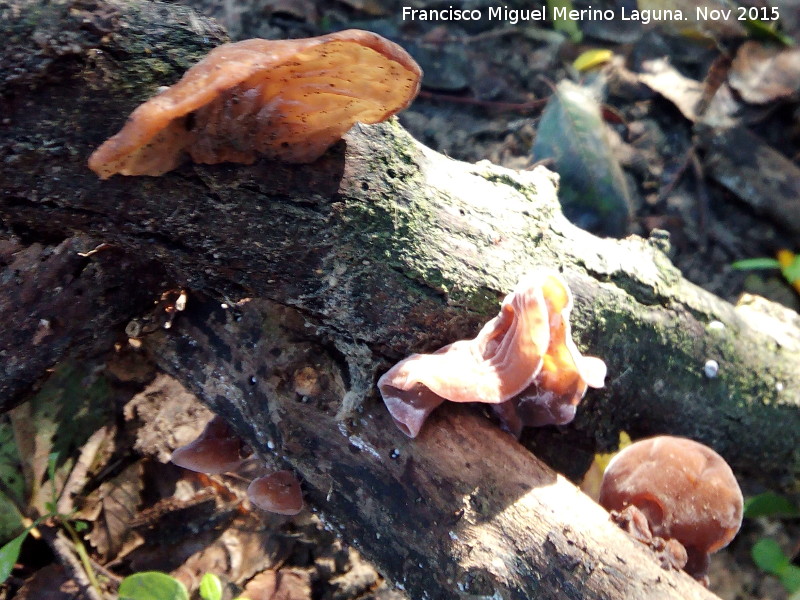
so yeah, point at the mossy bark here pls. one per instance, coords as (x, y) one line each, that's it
(383, 247)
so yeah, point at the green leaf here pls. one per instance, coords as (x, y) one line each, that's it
(759, 29)
(592, 191)
(790, 578)
(769, 557)
(756, 263)
(80, 526)
(769, 504)
(152, 585)
(72, 403)
(567, 26)
(9, 555)
(792, 270)
(210, 587)
(52, 461)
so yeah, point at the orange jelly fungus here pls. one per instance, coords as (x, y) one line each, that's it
(523, 362)
(283, 99)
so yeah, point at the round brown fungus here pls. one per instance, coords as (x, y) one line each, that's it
(217, 450)
(283, 99)
(278, 493)
(685, 491)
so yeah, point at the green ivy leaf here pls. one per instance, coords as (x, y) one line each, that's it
(769, 504)
(769, 557)
(210, 587)
(790, 578)
(567, 26)
(152, 585)
(9, 555)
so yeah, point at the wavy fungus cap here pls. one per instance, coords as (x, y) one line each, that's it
(283, 99)
(523, 362)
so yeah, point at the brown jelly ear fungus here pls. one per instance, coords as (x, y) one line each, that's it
(523, 363)
(217, 450)
(283, 99)
(278, 493)
(684, 490)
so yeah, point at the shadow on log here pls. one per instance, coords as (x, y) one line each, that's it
(379, 249)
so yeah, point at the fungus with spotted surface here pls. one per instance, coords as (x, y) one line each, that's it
(523, 363)
(277, 492)
(216, 450)
(283, 99)
(685, 491)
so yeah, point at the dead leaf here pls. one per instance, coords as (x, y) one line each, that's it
(112, 509)
(592, 190)
(685, 93)
(170, 417)
(72, 403)
(239, 553)
(762, 74)
(284, 584)
(357, 580)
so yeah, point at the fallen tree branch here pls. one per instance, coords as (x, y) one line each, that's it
(462, 511)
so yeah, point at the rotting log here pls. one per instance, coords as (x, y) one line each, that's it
(394, 248)
(462, 511)
(61, 297)
(380, 248)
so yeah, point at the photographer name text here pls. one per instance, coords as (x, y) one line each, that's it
(513, 16)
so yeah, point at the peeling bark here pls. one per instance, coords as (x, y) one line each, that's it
(380, 248)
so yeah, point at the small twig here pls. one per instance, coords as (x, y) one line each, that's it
(66, 553)
(98, 248)
(670, 186)
(112, 579)
(530, 106)
(83, 555)
(702, 198)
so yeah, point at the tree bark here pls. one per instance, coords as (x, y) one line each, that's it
(462, 511)
(381, 248)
